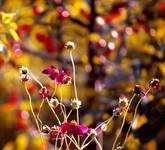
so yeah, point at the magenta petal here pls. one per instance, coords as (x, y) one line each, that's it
(82, 130)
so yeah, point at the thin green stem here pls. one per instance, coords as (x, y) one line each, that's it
(114, 144)
(34, 116)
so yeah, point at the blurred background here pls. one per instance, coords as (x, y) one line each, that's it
(119, 43)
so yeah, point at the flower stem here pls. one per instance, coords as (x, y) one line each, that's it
(59, 122)
(55, 145)
(38, 114)
(34, 116)
(75, 89)
(31, 74)
(97, 142)
(134, 116)
(114, 144)
(73, 142)
(74, 74)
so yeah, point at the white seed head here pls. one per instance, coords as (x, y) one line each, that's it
(104, 127)
(93, 133)
(76, 104)
(70, 45)
(54, 102)
(24, 70)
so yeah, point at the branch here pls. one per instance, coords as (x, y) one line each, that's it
(48, 56)
(77, 21)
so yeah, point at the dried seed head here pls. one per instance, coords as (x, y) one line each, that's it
(24, 70)
(70, 45)
(104, 127)
(139, 90)
(76, 104)
(93, 133)
(123, 102)
(54, 102)
(45, 129)
(155, 84)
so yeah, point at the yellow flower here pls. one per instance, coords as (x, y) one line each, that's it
(8, 25)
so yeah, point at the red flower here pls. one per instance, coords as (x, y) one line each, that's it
(72, 128)
(58, 75)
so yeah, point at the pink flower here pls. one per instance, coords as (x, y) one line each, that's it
(58, 75)
(73, 128)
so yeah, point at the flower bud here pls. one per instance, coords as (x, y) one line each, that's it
(70, 45)
(54, 102)
(45, 129)
(76, 104)
(155, 84)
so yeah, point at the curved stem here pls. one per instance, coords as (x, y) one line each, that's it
(97, 142)
(34, 116)
(74, 74)
(114, 144)
(73, 142)
(134, 116)
(105, 122)
(38, 114)
(59, 122)
(75, 89)
(66, 142)
(31, 74)
(62, 141)
(61, 105)
(69, 114)
(55, 145)
(132, 120)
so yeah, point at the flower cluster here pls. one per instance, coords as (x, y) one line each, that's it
(58, 75)
(66, 129)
